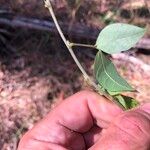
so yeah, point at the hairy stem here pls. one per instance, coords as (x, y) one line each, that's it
(69, 46)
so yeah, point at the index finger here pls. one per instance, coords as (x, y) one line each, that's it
(80, 111)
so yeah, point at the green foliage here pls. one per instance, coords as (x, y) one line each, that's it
(126, 102)
(113, 39)
(107, 76)
(118, 37)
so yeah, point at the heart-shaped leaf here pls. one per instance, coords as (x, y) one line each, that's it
(126, 102)
(118, 37)
(107, 76)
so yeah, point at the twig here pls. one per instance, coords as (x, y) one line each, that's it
(132, 60)
(67, 43)
(83, 45)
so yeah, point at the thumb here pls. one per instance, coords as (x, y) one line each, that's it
(129, 131)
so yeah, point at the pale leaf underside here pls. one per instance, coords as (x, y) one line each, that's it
(118, 37)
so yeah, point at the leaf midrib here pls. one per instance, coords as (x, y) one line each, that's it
(108, 74)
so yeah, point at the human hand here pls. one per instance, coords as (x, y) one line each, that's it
(89, 121)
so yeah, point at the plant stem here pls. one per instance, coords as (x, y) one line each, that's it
(67, 43)
(69, 46)
(82, 45)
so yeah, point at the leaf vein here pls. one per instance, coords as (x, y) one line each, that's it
(108, 74)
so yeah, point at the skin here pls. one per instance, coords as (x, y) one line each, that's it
(89, 121)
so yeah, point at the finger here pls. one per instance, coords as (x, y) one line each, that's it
(80, 110)
(129, 131)
(75, 115)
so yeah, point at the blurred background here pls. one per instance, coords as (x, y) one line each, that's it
(37, 71)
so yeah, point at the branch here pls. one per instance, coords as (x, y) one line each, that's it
(82, 45)
(68, 44)
(122, 57)
(49, 6)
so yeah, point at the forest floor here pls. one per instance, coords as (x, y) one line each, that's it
(41, 72)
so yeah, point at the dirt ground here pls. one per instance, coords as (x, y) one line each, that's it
(40, 72)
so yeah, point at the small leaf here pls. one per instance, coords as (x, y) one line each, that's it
(118, 37)
(126, 102)
(107, 76)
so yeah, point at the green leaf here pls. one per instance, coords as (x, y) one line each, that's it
(126, 102)
(107, 76)
(118, 37)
